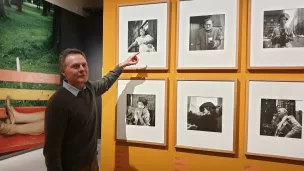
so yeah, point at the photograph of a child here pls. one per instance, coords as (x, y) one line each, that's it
(142, 36)
(140, 110)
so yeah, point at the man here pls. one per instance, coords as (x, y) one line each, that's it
(282, 35)
(289, 126)
(71, 114)
(209, 37)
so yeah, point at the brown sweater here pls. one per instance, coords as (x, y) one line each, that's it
(71, 125)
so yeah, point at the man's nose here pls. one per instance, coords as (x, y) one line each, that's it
(81, 68)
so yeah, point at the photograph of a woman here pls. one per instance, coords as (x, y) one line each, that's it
(141, 110)
(142, 36)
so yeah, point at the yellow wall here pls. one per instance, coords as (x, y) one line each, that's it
(145, 158)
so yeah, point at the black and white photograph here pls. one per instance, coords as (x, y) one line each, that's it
(207, 32)
(281, 118)
(274, 118)
(204, 113)
(142, 36)
(284, 28)
(145, 32)
(200, 114)
(140, 110)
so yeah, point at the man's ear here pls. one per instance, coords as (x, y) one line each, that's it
(62, 71)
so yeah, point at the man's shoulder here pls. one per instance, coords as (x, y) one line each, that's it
(60, 97)
(216, 29)
(90, 84)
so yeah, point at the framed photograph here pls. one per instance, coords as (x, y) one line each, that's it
(206, 108)
(142, 111)
(274, 119)
(276, 34)
(207, 34)
(145, 32)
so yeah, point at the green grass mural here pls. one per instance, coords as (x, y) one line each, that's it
(28, 35)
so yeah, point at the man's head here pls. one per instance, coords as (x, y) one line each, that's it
(282, 112)
(283, 19)
(74, 67)
(208, 24)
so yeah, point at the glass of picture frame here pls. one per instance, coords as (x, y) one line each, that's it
(274, 119)
(205, 117)
(207, 34)
(276, 35)
(144, 28)
(142, 111)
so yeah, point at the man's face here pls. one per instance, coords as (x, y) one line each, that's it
(75, 70)
(208, 25)
(281, 113)
(283, 21)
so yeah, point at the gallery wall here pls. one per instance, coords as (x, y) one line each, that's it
(142, 157)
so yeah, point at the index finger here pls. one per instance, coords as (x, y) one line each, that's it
(135, 54)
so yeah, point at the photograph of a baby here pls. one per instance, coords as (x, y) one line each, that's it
(142, 36)
(140, 110)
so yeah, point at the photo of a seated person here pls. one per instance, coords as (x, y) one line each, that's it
(140, 114)
(281, 118)
(207, 119)
(144, 42)
(288, 126)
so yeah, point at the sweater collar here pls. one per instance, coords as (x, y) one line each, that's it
(71, 88)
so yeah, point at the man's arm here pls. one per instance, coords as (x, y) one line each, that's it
(55, 127)
(108, 80)
(103, 85)
(218, 40)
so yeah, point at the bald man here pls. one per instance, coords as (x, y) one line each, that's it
(290, 123)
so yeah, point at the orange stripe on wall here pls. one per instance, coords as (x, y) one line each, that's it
(29, 77)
